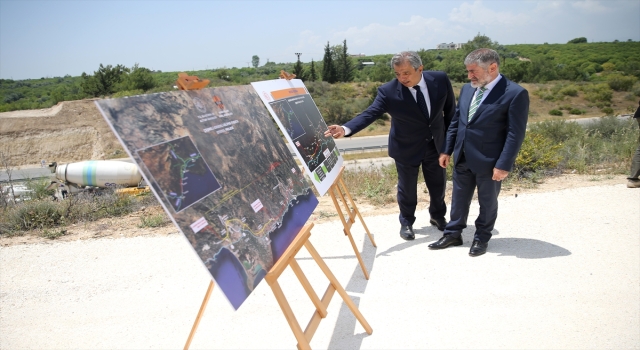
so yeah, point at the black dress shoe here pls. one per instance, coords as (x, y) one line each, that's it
(478, 248)
(439, 223)
(446, 241)
(406, 232)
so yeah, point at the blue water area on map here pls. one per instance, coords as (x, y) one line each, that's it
(230, 276)
(293, 221)
(196, 187)
(296, 128)
(228, 271)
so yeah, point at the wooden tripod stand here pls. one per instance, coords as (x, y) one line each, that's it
(339, 189)
(288, 259)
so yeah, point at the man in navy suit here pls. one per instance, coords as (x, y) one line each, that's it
(421, 105)
(485, 135)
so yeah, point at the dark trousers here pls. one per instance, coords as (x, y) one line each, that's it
(464, 184)
(635, 165)
(435, 179)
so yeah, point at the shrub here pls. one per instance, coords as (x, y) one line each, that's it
(538, 153)
(39, 188)
(376, 184)
(620, 82)
(558, 131)
(607, 110)
(35, 214)
(570, 90)
(576, 111)
(598, 92)
(156, 220)
(555, 112)
(606, 127)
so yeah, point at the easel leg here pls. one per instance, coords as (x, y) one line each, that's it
(347, 299)
(353, 204)
(303, 343)
(358, 255)
(347, 223)
(197, 321)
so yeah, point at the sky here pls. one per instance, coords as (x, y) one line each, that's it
(55, 38)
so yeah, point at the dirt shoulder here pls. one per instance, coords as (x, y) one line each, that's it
(128, 226)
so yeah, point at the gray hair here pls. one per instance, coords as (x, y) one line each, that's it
(406, 56)
(483, 58)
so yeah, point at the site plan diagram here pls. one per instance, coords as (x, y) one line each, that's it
(300, 121)
(217, 164)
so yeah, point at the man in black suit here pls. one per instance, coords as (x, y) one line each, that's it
(485, 135)
(421, 105)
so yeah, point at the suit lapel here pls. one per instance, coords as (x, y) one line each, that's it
(407, 99)
(432, 89)
(494, 95)
(465, 102)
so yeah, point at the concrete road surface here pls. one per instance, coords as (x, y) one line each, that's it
(562, 272)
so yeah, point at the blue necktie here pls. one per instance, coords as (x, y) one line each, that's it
(422, 103)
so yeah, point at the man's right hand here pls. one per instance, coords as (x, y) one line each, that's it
(334, 130)
(444, 160)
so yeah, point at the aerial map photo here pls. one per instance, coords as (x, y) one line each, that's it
(218, 165)
(300, 121)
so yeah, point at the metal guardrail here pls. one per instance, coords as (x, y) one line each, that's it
(363, 149)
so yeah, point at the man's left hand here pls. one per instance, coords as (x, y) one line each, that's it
(499, 174)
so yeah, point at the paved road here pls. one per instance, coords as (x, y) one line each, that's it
(561, 272)
(347, 143)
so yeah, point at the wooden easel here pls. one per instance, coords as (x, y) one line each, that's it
(340, 188)
(186, 82)
(289, 259)
(196, 323)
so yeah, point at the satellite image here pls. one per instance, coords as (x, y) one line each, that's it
(218, 165)
(179, 170)
(305, 126)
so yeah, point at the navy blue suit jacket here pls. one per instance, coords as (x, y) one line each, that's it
(495, 133)
(409, 128)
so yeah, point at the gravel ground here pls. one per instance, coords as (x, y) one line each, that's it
(562, 271)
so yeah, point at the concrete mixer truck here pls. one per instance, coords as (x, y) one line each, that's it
(96, 174)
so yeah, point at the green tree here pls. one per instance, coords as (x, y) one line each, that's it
(103, 82)
(298, 70)
(313, 75)
(329, 72)
(345, 65)
(381, 71)
(480, 41)
(139, 78)
(579, 40)
(255, 61)
(427, 59)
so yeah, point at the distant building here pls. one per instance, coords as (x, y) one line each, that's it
(358, 55)
(451, 46)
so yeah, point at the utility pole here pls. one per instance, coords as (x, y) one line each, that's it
(298, 54)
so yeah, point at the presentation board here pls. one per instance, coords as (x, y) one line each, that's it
(217, 164)
(300, 121)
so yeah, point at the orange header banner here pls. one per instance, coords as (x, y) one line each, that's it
(280, 94)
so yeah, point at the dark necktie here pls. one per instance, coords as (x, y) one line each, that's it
(422, 103)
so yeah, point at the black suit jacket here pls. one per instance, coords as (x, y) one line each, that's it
(409, 128)
(495, 133)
